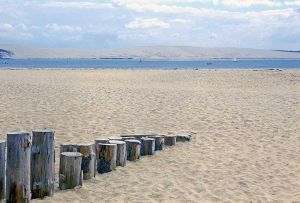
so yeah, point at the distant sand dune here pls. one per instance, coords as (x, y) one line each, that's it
(246, 144)
(150, 53)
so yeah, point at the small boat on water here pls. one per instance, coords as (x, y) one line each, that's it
(234, 60)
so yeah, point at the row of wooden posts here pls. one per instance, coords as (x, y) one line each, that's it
(30, 161)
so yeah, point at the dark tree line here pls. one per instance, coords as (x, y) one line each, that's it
(5, 53)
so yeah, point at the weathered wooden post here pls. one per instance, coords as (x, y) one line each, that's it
(70, 173)
(68, 147)
(133, 148)
(88, 160)
(42, 163)
(107, 160)
(170, 140)
(121, 152)
(18, 167)
(159, 142)
(183, 138)
(147, 146)
(97, 142)
(2, 169)
(101, 140)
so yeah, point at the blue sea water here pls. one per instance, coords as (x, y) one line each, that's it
(153, 64)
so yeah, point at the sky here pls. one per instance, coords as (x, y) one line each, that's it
(261, 24)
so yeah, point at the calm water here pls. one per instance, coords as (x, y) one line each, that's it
(120, 63)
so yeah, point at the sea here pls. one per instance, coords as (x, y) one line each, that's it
(150, 64)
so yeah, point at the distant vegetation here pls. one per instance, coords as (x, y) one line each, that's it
(5, 53)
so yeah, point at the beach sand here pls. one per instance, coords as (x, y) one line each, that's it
(245, 126)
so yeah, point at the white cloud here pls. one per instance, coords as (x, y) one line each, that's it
(292, 3)
(35, 27)
(160, 5)
(233, 3)
(147, 23)
(272, 15)
(6, 27)
(25, 35)
(249, 3)
(152, 6)
(77, 5)
(181, 20)
(246, 3)
(64, 28)
(148, 5)
(22, 26)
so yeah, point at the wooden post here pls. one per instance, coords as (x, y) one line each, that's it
(121, 152)
(147, 146)
(115, 138)
(97, 142)
(170, 140)
(133, 148)
(107, 157)
(70, 173)
(159, 142)
(128, 138)
(42, 163)
(137, 136)
(101, 140)
(68, 147)
(183, 138)
(2, 169)
(88, 160)
(18, 167)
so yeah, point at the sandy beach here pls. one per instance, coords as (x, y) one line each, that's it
(245, 127)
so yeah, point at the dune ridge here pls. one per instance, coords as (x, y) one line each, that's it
(150, 53)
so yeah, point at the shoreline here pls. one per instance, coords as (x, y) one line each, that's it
(151, 68)
(154, 59)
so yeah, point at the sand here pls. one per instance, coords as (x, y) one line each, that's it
(245, 124)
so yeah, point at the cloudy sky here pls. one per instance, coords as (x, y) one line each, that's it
(264, 24)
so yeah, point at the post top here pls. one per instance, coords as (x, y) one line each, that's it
(71, 154)
(148, 138)
(184, 135)
(18, 133)
(115, 138)
(102, 139)
(170, 135)
(43, 131)
(156, 136)
(133, 141)
(138, 135)
(85, 144)
(116, 142)
(107, 144)
(66, 144)
(128, 137)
